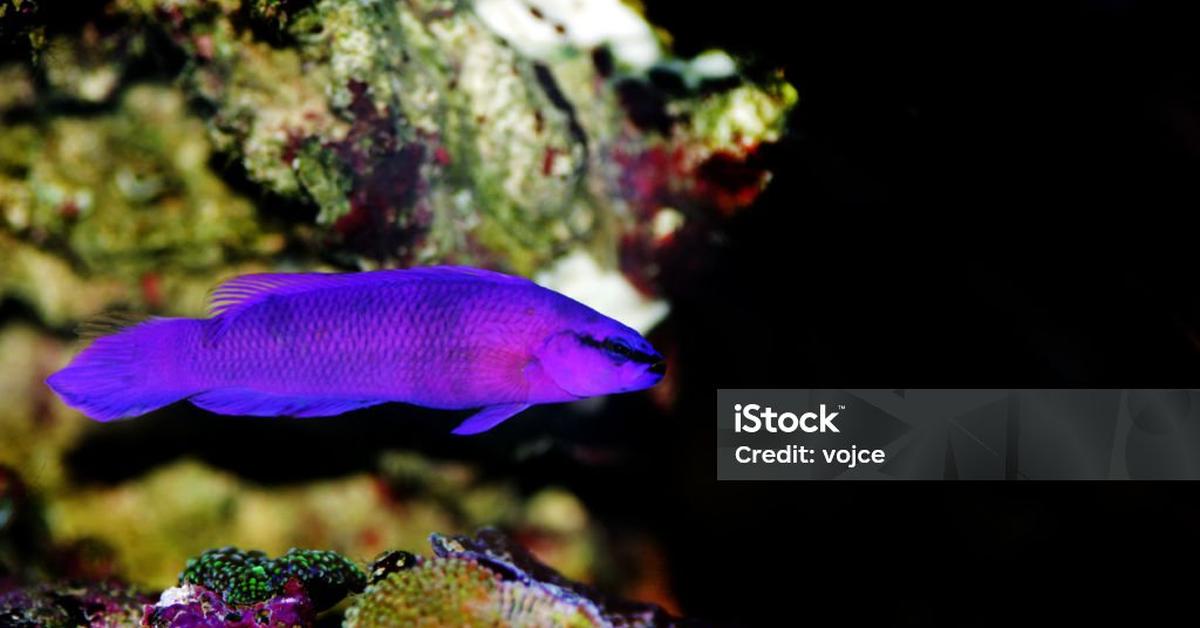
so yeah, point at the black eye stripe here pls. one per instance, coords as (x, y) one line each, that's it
(589, 341)
(620, 349)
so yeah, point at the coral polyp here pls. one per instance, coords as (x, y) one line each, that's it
(193, 606)
(461, 592)
(249, 577)
(486, 581)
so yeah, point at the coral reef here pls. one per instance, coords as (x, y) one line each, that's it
(417, 134)
(248, 577)
(151, 148)
(469, 581)
(192, 606)
(154, 147)
(130, 198)
(177, 511)
(228, 587)
(512, 562)
(156, 522)
(414, 132)
(460, 593)
(487, 580)
(62, 605)
(126, 193)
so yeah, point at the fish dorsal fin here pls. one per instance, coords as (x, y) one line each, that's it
(461, 273)
(239, 294)
(242, 292)
(109, 323)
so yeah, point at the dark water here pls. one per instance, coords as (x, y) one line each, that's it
(988, 196)
(978, 194)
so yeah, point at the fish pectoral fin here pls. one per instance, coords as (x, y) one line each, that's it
(488, 418)
(243, 402)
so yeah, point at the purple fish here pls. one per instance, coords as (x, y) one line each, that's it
(308, 345)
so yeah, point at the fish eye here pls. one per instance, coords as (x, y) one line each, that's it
(617, 344)
(616, 349)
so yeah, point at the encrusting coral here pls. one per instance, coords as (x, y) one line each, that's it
(193, 606)
(483, 581)
(248, 577)
(461, 592)
(486, 580)
(227, 586)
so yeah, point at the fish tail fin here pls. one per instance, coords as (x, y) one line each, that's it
(122, 374)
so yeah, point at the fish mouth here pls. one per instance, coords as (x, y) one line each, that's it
(658, 368)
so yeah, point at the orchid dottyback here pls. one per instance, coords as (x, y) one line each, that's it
(312, 344)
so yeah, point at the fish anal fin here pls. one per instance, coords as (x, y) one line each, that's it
(488, 418)
(245, 402)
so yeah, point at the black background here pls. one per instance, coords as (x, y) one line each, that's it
(973, 194)
(992, 194)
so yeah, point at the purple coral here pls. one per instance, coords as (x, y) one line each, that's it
(229, 587)
(193, 606)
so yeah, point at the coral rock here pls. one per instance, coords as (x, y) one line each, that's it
(53, 605)
(488, 581)
(193, 606)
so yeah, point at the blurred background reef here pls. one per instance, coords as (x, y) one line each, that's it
(151, 148)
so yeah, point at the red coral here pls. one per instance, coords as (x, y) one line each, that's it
(204, 47)
(384, 220)
(152, 294)
(705, 187)
(731, 181)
